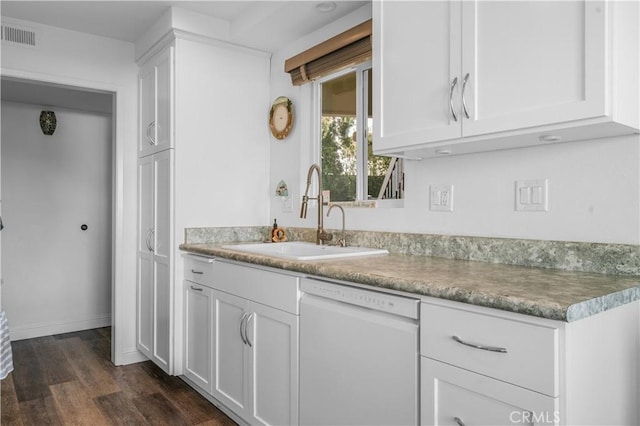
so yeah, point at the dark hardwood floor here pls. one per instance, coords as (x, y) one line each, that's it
(69, 379)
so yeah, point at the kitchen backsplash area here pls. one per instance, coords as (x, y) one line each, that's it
(614, 259)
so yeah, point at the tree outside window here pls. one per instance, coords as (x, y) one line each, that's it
(340, 140)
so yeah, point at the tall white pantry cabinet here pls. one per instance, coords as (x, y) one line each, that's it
(203, 139)
(154, 331)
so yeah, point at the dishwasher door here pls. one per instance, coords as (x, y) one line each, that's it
(359, 357)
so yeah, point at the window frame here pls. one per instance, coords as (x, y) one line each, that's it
(362, 90)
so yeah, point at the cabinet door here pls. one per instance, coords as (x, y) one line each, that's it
(198, 313)
(453, 396)
(416, 54)
(147, 91)
(230, 358)
(156, 103)
(273, 335)
(161, 243)
(144, 290)
(164, 99)
(154, 297)
(532, 63)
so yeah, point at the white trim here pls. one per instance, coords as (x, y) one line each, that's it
(199, 38)
(118, 247)
(177, 34)
(57, 80)
(50, 328)
(131, 355)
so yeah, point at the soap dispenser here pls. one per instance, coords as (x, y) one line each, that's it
(278, 234)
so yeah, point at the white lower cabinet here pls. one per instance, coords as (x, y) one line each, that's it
(478, 366)
(483, 366)
(255, 360)
(198, 312)
(241, 339)
(454, 396)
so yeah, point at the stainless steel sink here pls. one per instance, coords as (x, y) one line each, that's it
(299, 250)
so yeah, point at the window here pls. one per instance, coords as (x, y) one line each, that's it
(350, 171)
(340, 69)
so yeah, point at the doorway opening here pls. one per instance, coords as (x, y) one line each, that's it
(58, 206)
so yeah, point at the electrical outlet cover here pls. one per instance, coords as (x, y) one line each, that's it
(441, 198)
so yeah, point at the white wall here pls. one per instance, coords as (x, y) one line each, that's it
(78, 59)
(56, 277)
(594, 186)
(221, 138)
(291, 157)
(222, 106)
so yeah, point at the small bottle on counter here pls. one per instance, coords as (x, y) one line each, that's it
(278, 234)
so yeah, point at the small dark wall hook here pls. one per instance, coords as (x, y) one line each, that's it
(84, 227)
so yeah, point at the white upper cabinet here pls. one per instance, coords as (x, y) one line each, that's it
(531, 63)
(470, 76)
(413, 62)
(156, 103)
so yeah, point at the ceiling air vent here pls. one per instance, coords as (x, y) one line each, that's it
(17, 36)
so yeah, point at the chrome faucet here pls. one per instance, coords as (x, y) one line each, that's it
(321, 235)
(342, 242)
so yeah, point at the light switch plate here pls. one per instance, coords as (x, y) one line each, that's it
(532, 195)
(286, 205)
(441, 198)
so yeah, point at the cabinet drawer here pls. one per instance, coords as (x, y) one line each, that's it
(450, 393)
(199, 269)
(278, 290)
(518, 352)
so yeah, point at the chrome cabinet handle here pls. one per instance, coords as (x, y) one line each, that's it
(196, 288)
(242, 320)
(193, 271)
(453, 86)
(477, 346)
(246, 324)
(459, 421)
(151, 234)
(150, 138)
(464, 102)
(147, 240)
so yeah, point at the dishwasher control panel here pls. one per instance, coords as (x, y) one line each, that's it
(392, 304)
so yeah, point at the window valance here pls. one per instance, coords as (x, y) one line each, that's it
(348, 48)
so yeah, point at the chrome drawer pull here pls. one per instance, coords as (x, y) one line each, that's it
(483, 347)
(193, 271)
(459, 421)
(196, 288)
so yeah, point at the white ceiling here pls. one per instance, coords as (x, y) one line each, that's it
(265, 25)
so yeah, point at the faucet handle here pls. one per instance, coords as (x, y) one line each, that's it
(325, 236)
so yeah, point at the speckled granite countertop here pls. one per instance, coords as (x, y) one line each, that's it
(552, 294)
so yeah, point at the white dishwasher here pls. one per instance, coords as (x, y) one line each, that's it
(359, 356)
